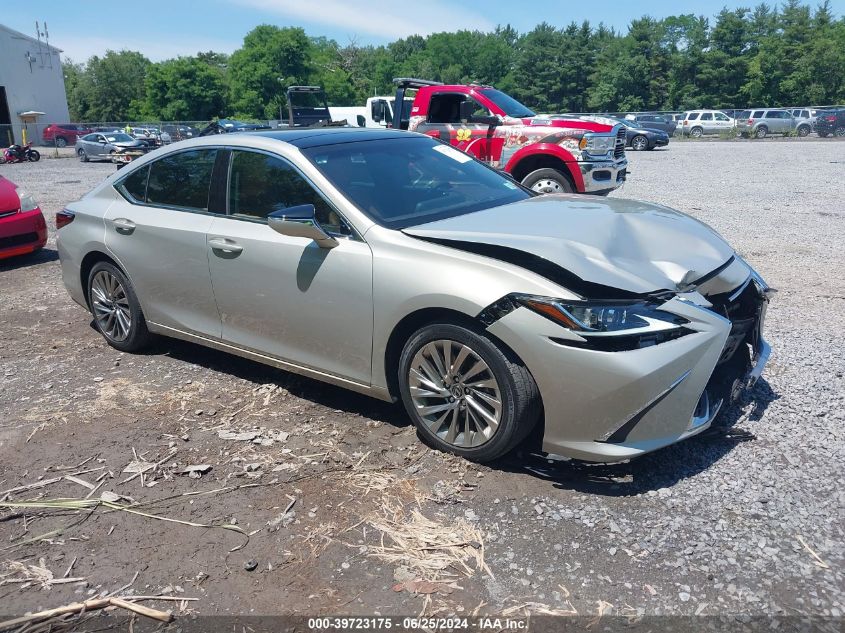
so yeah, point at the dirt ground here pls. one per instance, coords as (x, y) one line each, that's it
(236, 488)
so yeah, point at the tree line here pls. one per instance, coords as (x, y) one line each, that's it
(773, 56)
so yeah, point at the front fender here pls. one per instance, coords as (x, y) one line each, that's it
(553, 150)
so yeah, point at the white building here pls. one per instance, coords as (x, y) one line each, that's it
(31, 81)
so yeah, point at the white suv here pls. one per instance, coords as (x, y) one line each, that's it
(699, 122)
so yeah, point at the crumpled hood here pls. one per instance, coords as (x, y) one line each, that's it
(633, 246)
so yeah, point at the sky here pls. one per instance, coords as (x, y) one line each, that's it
(169, 28)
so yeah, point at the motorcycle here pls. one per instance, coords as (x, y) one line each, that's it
(20, 154)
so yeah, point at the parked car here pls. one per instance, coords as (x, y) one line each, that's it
(697, 123)
(63, 134)
(180, 132)
(802, 116)
(150, 136)
(22, 226)
(759, 123)
(395, 265)
(830, 122)
(232, 125)
(663, 122)
(98, 146)
(639, 137)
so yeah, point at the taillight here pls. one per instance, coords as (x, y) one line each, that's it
(686, 122)
(750, 121)
(830, 119)
(64, 217)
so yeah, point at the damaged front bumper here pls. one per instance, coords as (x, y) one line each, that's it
(609, 406)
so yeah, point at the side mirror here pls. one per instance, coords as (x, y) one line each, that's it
(377, 110)
(362, 122)
(301, 221)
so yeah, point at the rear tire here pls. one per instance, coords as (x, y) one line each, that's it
(761, 132)
(696, 132)
(465, 394)
(548, 180)
(61, 141)
(115, 308)
(639, 143)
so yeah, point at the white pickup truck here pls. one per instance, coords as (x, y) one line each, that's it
(377, 113)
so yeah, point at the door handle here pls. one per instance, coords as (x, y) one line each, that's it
(225, 245)
(123, 225)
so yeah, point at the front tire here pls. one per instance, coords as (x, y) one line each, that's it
(761, 132)
(61, 141)
(839, 131)
(115, 308)
(803, 130)
(465, 394)
(639, 143)
(83, 155)
(548, 180)
(33, 156)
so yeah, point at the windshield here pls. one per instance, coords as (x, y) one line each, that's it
(119, 138)
(402, 182)
(510, 106)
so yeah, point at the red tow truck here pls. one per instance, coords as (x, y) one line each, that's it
(546, 153)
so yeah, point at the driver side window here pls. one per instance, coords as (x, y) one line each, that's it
(446, 108)
(260, 184)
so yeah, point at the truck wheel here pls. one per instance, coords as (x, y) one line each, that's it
(548, 180)
(761, 131)
(696, 132)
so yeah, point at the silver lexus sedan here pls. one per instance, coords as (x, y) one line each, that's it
(396, 266)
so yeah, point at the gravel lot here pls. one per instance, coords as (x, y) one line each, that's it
(747, 520)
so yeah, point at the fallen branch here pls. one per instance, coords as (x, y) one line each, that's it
(819, 561)
(91, 605)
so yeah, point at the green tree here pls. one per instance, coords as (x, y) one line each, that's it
(271, 59)
(111, 88)
(185, 89)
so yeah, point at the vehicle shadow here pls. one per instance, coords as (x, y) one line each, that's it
(41, 256)
(303, 387)
(653, 471)
(661, 469)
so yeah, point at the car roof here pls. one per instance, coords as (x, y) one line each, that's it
(315, 137)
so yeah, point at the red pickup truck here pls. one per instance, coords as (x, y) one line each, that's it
(546, 153)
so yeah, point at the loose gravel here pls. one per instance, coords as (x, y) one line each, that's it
(747, 519)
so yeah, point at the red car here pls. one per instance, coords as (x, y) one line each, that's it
(63, 134)
(22, 226)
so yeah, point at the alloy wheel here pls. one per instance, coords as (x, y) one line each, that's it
(455, 393)
(111, 306)
(840, 131)
(639, 143)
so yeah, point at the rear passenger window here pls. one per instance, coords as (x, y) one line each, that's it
(758, 114)
(134, 186)
(707, 116)
(182, 180)
(693, 116)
